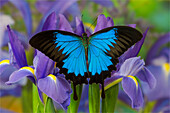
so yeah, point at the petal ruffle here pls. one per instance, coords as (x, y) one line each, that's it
(133, 90)
(161, 89)
(43, 65)
(79, 27)
(134, 50)
(56, 88)
(131, 66)
(20, 74)
(101, 23)
(64, 24)
(17, 49)
(110, 22)
(50, 23)
(59, 7)
(146, 76)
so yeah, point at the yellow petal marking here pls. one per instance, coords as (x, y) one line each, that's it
(136, 82)
(4, 62)
(166, 68)
(52, 76)
(89, 26)
(28, 68)
(113, 83)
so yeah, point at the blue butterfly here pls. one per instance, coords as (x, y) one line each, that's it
(85, 57)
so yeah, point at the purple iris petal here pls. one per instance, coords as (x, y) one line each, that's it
(79, 27)
(17, 48)
(161, 89)
(88, 32)
(134, 92)
(105, 3)
(59, 7)
(58, 89)
(50, 23)
(43, 6)
(74, 10)
(43, 65)
(21, 37)
(101, 23)
(24, 8)
(133, 51)
(3, 2)
(14, 92)
(40, 94)
(5, 72)
(154, 49)
(84, 103)
(131, 66)
(162, 106)
(110, 22)
(132, 25)
(64, 24)
(146, 76)
(19, 75)
(3, 67)
(124, 97)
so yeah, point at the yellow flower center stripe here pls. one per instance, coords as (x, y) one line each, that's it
(4, 62)
(28, 68)
(113, 83)
(89, 25)
(52, 76)
(166, 67)
(136, 82)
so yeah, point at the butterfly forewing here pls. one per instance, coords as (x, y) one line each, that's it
(106, 46)
(65, 48)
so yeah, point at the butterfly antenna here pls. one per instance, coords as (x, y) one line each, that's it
(93, 23)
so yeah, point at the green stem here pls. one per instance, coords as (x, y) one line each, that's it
(37, 104)
(74, 104)
(108, 104)
(94, 98)
(27, 98)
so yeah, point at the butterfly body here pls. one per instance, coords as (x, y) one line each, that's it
(85, 57)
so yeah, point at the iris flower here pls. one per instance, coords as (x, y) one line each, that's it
(7, 66)
(43, 74)
(128, 67)
(158, 60)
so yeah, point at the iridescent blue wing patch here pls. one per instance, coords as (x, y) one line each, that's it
(105, 46)
(66, 49)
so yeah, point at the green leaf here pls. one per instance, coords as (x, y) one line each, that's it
(74, 104)
(27, 98)
(108, 104)
(121, 107)
(49, 106)
(94, 98)
(38, 106)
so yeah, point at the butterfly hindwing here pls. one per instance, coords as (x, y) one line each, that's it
(105, 46)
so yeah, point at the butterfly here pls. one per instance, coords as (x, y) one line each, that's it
(85, 57)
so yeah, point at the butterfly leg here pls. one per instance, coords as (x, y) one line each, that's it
(74, 89)
(102, 83)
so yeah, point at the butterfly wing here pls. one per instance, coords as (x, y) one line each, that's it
(105, 46)
(66, 49)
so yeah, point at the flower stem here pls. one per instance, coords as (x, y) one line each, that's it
(108, 104)
(94, 98)
(74, 104)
